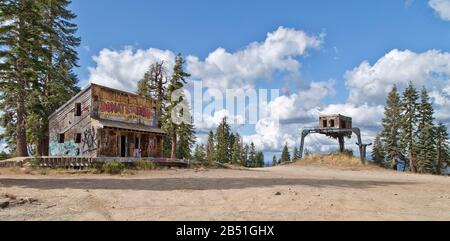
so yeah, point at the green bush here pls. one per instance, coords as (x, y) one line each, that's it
(35, 162)
(144, 165)
(113, 167)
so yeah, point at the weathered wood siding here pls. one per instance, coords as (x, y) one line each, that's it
(65, 122)
(102, 103)
(338, 121)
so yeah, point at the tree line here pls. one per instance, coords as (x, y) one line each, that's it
(410, 134)
(37, 57)
(224, 146)
(286, 156)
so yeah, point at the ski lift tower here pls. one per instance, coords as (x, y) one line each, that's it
(337, 127)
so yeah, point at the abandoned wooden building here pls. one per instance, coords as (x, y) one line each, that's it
(105, 122)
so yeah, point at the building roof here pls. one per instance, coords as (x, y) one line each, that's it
(336, 115)
(127, 126)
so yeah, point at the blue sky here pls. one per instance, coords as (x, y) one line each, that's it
(360, 30)
(358, 50)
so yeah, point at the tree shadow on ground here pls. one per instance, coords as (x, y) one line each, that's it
(172, 184)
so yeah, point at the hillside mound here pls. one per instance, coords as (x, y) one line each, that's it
(336, 160)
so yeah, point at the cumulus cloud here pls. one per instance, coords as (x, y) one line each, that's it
(222, 69)
(368, 86)
(371, 83)
(124, 68)
(289, 114)
(441, 7)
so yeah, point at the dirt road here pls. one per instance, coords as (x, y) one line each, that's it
(280, 193)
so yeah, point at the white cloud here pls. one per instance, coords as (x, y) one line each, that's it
(363, 115)
(124, 68)
(241, 69)
(212, 121)
(442, 8)
(371, 83)
(303, 104)
(295, 111)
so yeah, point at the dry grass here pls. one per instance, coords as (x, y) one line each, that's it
(336, 160)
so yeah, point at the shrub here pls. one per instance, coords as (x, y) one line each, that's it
(113, 167)
(36, 161)
(144, 165)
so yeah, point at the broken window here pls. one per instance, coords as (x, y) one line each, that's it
(61, 138)
(78, 138)
(331, 123)
(325, 124)
(78, 109)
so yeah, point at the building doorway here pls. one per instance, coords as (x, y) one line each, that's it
(123, 146)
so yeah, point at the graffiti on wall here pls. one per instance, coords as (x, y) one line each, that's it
(69, 148)
(124, 110)
(89, 140)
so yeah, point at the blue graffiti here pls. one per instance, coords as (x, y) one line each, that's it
(70, 149)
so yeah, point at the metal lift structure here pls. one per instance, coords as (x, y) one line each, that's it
(337, 127)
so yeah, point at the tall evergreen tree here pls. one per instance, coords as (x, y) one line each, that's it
(20, 61)
(285, 155)
(391, 128)
(175, 85)
(295, 154)
(259, 159)
(442, 150)
(186, 140)
(426, 145)
(210, 148)
(153, 85)
(223, 142)
(409, 124)
(238, 152)
(378, 155)
(57, 83)
(274, 160)
(246, 155)
(199, 154)
(252, 155)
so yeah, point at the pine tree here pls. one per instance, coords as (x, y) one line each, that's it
(223, 142)
(409, 124)
(210, 148)
(153, 85)
(175, 85)
(274, 161)
(391, 129)
(259, 159)
(252, 155)
(38, 54)
(199, 153)
(378, 155)
(57, 83)
(167, 146)
(442, 148)
(285, 155)
(238, 152)
(21, 54)
(186, 140)
(426, 144)
(246, 156)
(295, 154)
